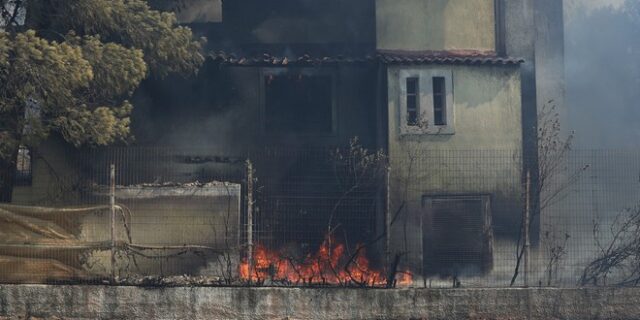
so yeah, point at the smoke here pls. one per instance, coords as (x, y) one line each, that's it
(572, 7)
(191, 11)
(603, 72)
(9, 9)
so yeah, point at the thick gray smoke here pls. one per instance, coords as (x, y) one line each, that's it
(602, 61)
(603, 72)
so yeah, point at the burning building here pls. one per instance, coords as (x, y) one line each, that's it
(442, 88)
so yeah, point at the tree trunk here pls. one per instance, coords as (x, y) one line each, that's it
(7, 176)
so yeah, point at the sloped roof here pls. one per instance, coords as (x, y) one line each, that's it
(268, 59)
(464, 57)
(398, 57)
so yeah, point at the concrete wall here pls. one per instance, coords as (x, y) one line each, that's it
(483, 156)
(534, 30)
(436, 25)
(96, 302)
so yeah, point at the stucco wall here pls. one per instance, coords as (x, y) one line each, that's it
(435, 24)
(486, 110)
(96, 302)
(483, 156)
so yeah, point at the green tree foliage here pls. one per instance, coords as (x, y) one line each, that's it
(68, 67)
(167, 47)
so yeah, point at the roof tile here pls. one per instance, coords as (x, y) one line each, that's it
(383, 56)
(445, 57)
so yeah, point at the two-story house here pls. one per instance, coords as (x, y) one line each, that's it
(444, 87)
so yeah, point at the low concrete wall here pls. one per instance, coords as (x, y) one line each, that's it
(93, 302)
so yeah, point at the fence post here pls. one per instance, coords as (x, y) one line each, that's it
(112, 203)
(387, 213)
(249, 176)
(527, 240)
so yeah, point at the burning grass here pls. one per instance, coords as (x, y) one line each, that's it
(330, 265)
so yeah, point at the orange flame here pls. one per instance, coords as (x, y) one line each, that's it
(328, 266)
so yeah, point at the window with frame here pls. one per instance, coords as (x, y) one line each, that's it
(413, 100)
(298, 103)
(439, 101)
(24, 166)
(426, 104)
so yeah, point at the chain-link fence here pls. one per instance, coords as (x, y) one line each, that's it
(325, 216)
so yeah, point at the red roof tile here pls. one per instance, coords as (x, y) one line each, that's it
(384, 56)
(445, 57)
(267, 59)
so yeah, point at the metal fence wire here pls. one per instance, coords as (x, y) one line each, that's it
(347, 216)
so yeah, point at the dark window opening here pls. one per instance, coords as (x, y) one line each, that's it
(439, 102)
(413, 86)
(23, 167)
(457, 237)
(298, 103)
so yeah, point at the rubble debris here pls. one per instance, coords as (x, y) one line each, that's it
(208, 159)
(169, 281)
(33, 270)
(172, 189)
